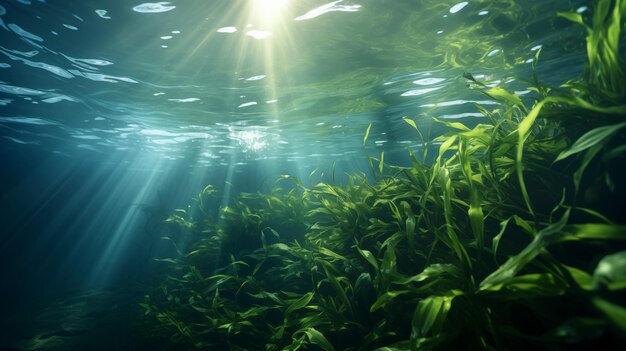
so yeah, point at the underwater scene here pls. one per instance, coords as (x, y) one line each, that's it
(385, 175)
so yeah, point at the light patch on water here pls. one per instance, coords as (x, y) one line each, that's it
(19, 141)
(207, 154)
(50, 68)
(159, 93)
(184, 100)
(482, 13)
(22, 53)
(190, 136)
(28, 120)
(250, 139)
(582, 9)
(175, 32)
(271, 101)
(164, 141)
(458, 7)
(103, 14)
(87, 147)
(58, 98)
(99, 119)
(4, 65)
(164, 46)
(535, 48)
(166, 37)
(24, 33)
(439, 31)
(12, 89)
(428, 81)
(330, 7)
(417, 92)
(5, 102)
(246, 104)
(462, 115)
(258, 34)
(87, 63)
(521, 92)
(227, 30)
(259, 77)
(459, 102)
(158, 132)
(68, 26)
(102, 77)
(86, 137)
(493, 52)
(153, 7)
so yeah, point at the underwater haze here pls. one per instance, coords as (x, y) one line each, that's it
(146, 143)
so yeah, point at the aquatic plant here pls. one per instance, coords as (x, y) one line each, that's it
(513, 238)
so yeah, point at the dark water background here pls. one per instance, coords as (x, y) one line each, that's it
(111, 119)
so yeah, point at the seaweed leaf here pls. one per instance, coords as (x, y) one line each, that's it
(300, 303)
(317, 338)
(597, 136)
(430, 314)
(410, 122)
(572, 16)
(386, 298)
(611, 272)
(367, 133)
(515, 263)
(614, 312)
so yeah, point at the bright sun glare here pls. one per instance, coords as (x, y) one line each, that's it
(271, 6)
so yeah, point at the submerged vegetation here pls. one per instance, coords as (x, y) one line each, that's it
(514, 238)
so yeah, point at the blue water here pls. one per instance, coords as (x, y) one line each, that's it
(114, 113)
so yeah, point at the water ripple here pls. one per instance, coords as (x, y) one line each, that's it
(103, 14)
(153, 7)
(24, 33)
(330, 7)
(215, 95)
(102, 77)
(28, 120)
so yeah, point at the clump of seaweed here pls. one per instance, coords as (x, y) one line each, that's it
(513, 238)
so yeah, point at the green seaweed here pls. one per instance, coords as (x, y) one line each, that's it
(478, 250)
